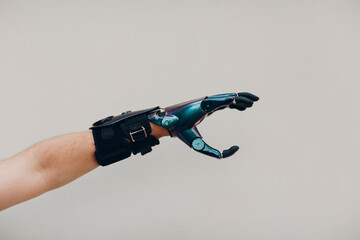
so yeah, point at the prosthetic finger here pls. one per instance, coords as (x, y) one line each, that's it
(211, 104)
(240, 108)
(230, 151)
(194, 140)
(248, 95)
(239, 101)
(199, 145)
(244, 101)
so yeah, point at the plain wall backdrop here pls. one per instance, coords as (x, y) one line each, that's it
(66, 64)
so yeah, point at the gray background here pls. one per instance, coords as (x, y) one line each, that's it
(66, 64)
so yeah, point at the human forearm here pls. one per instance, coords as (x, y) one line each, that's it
(45, 166)
(62, 159)
(49, 164)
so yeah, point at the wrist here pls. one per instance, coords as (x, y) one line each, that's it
(158, 131)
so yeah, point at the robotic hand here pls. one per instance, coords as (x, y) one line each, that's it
(117, 137)
(181, 119)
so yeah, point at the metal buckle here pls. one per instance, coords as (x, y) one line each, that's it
(141, 130)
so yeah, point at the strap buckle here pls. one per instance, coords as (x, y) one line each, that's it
(136, 135)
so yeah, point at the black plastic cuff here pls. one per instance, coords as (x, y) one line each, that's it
(116, 141)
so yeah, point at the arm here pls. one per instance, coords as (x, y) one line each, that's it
(48, 165)
(55, 162)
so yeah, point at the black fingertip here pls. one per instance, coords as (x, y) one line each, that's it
(249, 95)
(247, 102)
(240, 108)
(230, 151)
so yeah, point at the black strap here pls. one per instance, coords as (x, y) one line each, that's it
(117, 141)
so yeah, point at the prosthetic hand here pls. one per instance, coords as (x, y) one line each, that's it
(181, 119)
(117, 137)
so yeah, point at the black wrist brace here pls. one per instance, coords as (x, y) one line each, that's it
(117, 137)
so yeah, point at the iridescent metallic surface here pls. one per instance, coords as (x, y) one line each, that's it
(188, 113)
(181, 120)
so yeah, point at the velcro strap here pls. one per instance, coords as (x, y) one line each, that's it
(117, 141)
(138, 130)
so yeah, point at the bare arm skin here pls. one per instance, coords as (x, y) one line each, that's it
(48, 165)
